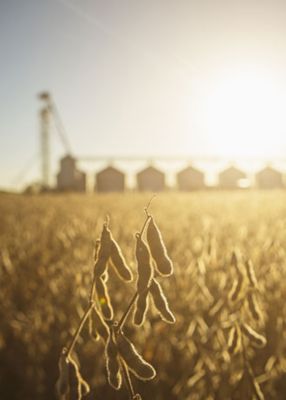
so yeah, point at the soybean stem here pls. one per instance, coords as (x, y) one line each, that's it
(144, 225)
(81, 324)
(148, 205)
(85, 315)
(125, 315)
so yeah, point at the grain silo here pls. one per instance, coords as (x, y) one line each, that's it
(110, 179)
(231, 177)
(69, 177)
(190, 178)
(151, 179)
(269, 178)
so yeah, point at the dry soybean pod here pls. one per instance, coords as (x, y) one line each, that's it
(118, 262)
(145, 269)
(257, 390)
(112, 363)
(141, 307)
(62, 384)
(158, 250)
(255, 338)
(236, 288)
(103, 298)
(74, 381)
(100, 267)
(251, 274)
(161, 302)
(103, 252)
(234, 340)
(134, 361)
(253, 306)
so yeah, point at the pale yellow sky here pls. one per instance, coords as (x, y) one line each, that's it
(155, 77)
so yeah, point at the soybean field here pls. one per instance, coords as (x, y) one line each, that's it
(113, 297)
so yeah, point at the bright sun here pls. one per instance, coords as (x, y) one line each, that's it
(244, 114)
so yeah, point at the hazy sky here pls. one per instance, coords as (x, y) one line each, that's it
(143, 77)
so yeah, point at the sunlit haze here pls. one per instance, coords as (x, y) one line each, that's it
(188, 78)
(243, 112)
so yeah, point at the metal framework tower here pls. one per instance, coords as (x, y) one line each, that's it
(45, 138)
(49, 113)
(45, 146)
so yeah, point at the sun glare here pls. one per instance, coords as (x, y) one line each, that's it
(243, 114)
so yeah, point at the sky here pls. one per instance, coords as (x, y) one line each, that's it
(152, 77)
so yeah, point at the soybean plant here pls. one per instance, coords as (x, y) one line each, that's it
(122, 359)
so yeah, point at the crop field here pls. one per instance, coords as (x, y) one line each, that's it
(227, 295)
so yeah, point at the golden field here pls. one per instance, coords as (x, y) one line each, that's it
(46, 264)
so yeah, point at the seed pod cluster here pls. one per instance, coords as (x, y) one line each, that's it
(70, 382)
(161, 302)
(254, 337)
(146, 283)
(145, 268)
(134, 361)
(158, 250)
(112, 363)
(109, 250)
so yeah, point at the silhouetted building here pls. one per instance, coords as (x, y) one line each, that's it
(269, 178)
(69, 177)
(110, 179)
(230, 178)
(151, 179)
(190, 178)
